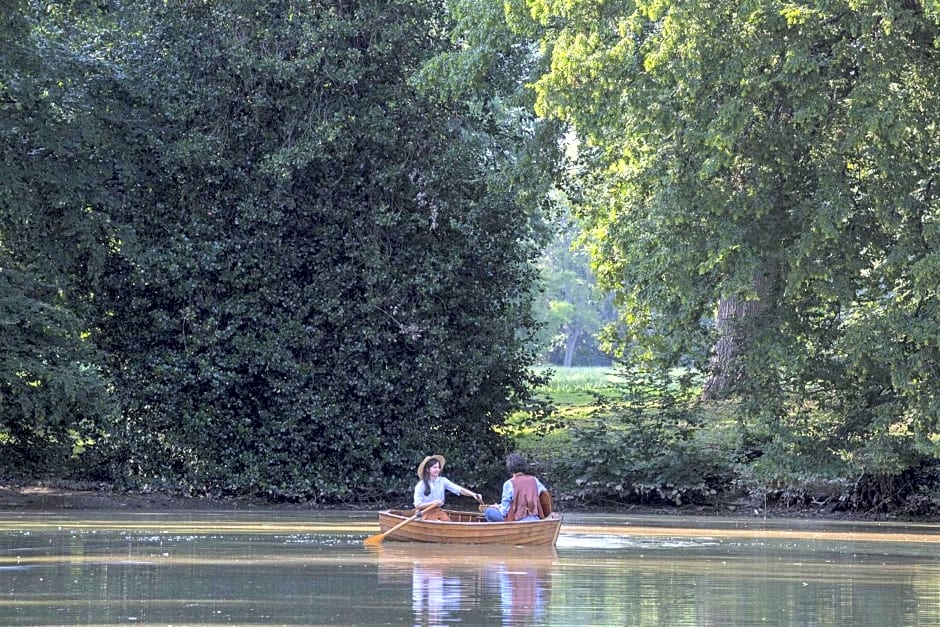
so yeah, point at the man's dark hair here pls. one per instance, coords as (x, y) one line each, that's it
(516, 463)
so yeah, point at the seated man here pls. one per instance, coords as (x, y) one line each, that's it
(520, 501)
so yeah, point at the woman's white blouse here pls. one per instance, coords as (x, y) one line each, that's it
(437, 490)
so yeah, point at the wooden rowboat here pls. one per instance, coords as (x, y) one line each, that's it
(470, 528)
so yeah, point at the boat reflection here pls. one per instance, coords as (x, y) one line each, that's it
(471, 583)
(523, 593)
(434, 595)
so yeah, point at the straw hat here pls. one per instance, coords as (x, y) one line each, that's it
(424, 462)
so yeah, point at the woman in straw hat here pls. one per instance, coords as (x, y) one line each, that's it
(432, 486)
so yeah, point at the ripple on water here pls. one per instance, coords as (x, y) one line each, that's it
(325, 540)
(586, 541)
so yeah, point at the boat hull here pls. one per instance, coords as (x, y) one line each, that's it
(470, 528)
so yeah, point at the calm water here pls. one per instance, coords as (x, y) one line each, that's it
(312, 568)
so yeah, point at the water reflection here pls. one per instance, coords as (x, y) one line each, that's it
(523, 593)
(434, 595)
(312, 568)
(454, 583)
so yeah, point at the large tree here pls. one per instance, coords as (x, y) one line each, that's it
(327, 275)
(303, 259)
(781, 159)
(54, 395)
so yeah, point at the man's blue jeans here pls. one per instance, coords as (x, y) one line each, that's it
(494, 515)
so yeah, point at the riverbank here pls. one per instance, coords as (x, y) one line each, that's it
(53, 496)
(80, 496)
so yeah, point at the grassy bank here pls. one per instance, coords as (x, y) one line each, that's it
(573, 394)
(576, 387)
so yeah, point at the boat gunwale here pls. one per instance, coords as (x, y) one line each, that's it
(479, 531)
(401, 515)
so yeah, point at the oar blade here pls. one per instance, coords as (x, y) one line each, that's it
(374, 540)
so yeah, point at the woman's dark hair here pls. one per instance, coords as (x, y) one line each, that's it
(516, 463)
(426, 474)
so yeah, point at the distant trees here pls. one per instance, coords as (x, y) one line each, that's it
(573, 308)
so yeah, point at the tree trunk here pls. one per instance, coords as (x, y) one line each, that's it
(732, 311)
(571, 342)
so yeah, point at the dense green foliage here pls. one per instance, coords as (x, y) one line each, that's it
(315, 271)
(647, 441)
(778, 153)
(53, 393)
(289, 248)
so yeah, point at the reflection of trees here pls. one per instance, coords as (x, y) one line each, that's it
(783, 589)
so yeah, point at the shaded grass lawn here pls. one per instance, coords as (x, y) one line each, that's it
(638, 450)
(573, 392)
(577, 386)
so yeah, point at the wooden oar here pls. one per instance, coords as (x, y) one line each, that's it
(377, 539)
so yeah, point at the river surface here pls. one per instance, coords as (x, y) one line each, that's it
(311, 568)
